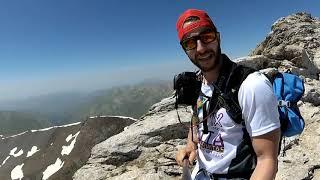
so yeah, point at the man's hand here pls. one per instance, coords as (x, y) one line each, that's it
(188, 152)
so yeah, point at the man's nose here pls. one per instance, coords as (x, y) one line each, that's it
(201, 48)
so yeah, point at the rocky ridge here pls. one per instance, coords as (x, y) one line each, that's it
(144, 150)
(292, 38)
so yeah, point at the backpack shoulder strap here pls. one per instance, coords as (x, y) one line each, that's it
(227, 88)
(239, 74)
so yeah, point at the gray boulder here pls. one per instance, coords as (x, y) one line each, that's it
(145, 150)
(290, 37)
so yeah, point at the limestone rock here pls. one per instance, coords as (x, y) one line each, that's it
(289, 37)
(258, 62)
(145, 150)
(312, 92)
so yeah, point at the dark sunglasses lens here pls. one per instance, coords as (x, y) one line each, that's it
(208, 37)
(189, 44)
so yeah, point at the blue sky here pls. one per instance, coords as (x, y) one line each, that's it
(56, 45)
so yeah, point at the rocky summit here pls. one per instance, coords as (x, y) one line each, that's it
(291, 40)
(121, 148)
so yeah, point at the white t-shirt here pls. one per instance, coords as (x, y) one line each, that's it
(218, 147)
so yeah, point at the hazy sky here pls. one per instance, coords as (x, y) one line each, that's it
(54, 45)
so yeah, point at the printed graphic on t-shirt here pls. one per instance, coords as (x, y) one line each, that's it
(211, 142)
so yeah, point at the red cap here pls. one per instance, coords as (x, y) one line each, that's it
(204, 20)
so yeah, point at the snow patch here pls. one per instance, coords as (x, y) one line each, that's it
(45, 129)
(33, 150)
(53, 168)
(14, 135)
(124, 117)
(103, 116)
(67, 125)
(73, 124)
(5, 160)
(17, 172)
(12, 152)
(66, 150)
(69, 138)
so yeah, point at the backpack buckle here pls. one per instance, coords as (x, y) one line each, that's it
(284, 103)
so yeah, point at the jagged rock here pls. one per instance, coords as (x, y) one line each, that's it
(300, 65)
(145, 150)
(56, 152)
(272, 66)
(312, 92)
(289, 37)
(258, 62)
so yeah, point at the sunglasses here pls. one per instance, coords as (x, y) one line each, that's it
(205, 37)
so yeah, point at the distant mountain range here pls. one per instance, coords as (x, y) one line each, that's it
(12, 122)
(62, 108)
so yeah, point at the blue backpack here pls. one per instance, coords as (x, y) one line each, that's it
(289, 89)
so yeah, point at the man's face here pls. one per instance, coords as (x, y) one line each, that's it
(205, 48)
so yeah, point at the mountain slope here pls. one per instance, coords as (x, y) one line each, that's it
(56, 152)
(131, 101)
(63, 108)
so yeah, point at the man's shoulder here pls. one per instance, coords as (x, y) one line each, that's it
(256, 81)
(259, 105)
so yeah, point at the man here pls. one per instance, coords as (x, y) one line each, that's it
(220, 145)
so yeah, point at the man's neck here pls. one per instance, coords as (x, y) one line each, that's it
(211, 76)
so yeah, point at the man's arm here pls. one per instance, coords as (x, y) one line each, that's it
(260, 112)
(266, 148)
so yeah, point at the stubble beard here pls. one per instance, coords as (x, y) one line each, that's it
(215, 63)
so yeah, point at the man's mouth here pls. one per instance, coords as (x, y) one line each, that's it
(205, 57)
